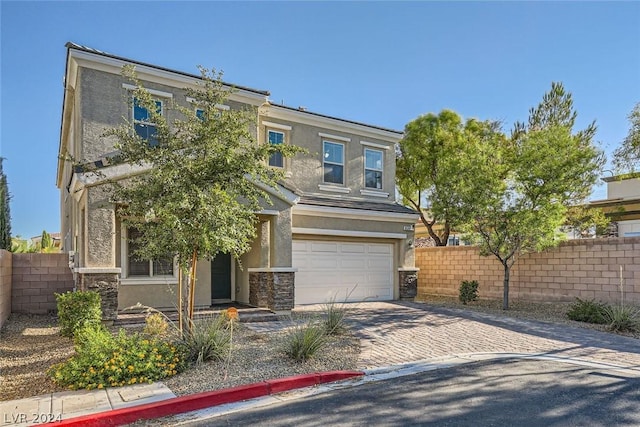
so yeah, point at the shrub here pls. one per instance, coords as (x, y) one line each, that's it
(156, 325)
(621, 318)
(104, 360)
(334, 315)
(77, 309)
(468, 291)
(209, 339)
(588, 311)
(303, 341)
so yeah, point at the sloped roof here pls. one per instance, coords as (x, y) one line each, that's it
(355, 204)
(71, 45)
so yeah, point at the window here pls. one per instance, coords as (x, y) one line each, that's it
(373, 169)
(142, 122)
(333, 162)
(145, 268)
(276, 138)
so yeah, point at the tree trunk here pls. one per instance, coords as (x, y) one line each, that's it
(180, 303)
(432, 233)
(505, 292)
(192, 286)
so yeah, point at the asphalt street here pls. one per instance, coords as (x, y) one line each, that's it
(489, 393)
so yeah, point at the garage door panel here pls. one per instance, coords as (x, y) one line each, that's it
(353, 263)
(380, 249)
(324, 247)
(342, 270)
(321, 263)
(357, 248)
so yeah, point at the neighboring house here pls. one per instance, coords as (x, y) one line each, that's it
(622, 204)
(55, 239)
(334, 229)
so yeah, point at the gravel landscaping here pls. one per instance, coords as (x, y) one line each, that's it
(30, 344)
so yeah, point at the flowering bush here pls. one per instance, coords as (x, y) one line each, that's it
(106, 360)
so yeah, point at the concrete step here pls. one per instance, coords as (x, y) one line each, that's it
(245, 314)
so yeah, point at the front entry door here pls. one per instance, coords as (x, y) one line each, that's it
(221, 277)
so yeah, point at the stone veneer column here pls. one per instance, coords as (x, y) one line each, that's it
(273, 288)
(104, 283)
(408, 280)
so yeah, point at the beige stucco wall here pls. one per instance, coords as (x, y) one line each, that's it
(165, 295)
(306, 170)
(105, 103)
(100, 229)
(587, 269)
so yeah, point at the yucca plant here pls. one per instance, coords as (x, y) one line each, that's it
(209, 339)
(303, 341)
(334, 315)
(620, 317)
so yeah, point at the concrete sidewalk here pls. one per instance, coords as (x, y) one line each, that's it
(70, 404)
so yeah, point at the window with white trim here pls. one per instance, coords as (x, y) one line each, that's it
(142, 123)
(373, 168)
(333, 162)
(145, 268)
(275, 138)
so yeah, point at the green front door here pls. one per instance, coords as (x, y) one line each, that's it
(221, 277)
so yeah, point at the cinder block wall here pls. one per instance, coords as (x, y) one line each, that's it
(5, 286)
(588, 269)
(36, 277)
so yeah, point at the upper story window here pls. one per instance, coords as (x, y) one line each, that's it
(333, 162)
(373, 168)
(145, 268)
(276, 138)
(142, 123)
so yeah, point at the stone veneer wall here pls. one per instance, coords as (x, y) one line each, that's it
(273, 290)
(106, 284)
(5, 285)
(36, 278)
(587, 269)
(408, 279)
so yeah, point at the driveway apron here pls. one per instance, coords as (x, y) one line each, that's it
(400, 332)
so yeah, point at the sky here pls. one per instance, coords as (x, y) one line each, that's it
(381, 63)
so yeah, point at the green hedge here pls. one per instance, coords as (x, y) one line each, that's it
(77, 309)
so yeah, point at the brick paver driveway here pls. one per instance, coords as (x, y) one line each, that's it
(400, 332)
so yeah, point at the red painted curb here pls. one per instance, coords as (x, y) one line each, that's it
(194, 402)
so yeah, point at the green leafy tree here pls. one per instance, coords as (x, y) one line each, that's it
(45, 241)
(437, 168)
(626, 158)
(202, 181)
(5, 214)
(546, 168)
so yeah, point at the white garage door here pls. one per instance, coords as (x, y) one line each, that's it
(328, 269)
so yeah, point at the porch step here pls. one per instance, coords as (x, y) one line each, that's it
(245, 315)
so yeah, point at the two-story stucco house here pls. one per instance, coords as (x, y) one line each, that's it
(334, 228)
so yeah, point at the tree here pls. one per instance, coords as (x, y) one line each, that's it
(197, 196)
(437, 165)
(546, 168)
(5, 214)
(627, 156)
(46, 243)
